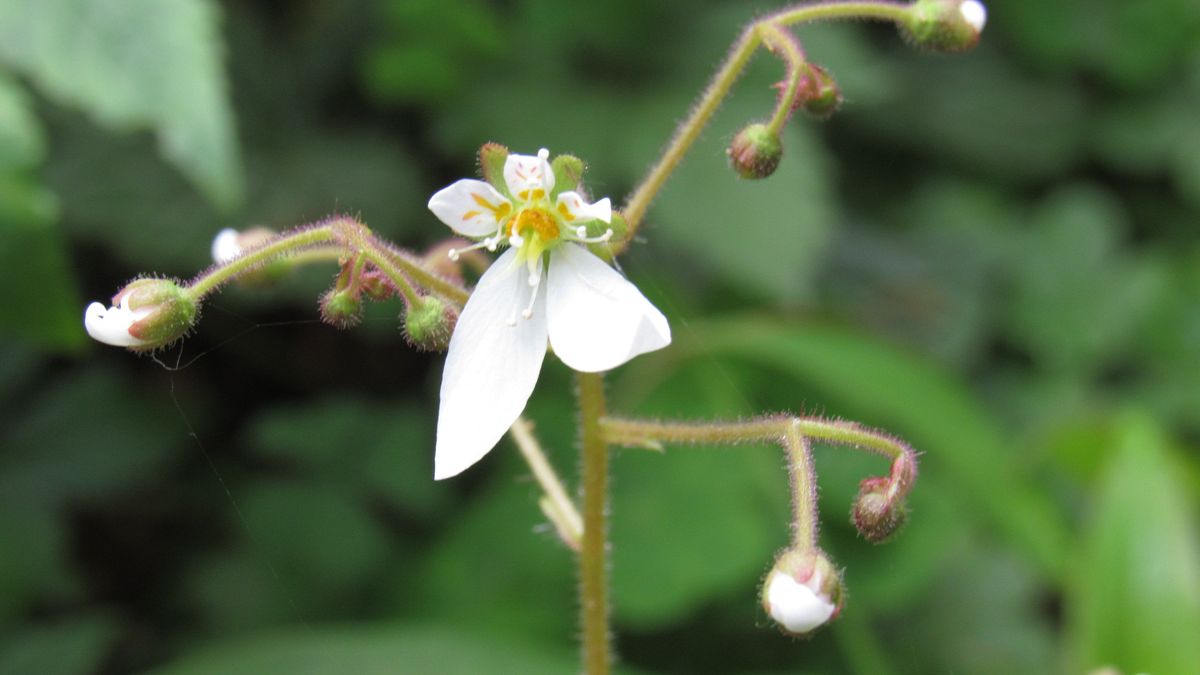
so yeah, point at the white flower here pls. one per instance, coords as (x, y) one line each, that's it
(593, 318)
(974, 13)
(797, 607)
(225, 246)
(110, 325)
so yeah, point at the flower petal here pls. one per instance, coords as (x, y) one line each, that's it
(597, 319)
(491, 366)
(470, 207)
(526, 174)
(574, 209)
(225, 246)
(110, 325)
(795, 606)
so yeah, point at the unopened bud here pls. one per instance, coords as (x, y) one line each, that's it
(341, 308)
(145, 315)
(878, 513)
(429, 323)
(944, 25)
(802, 592)
(376, 285)
(755, 152)
(822, 95)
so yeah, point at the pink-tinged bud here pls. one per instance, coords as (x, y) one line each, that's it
(944, 25)
(429, 323)
(376, 285)
(755, 152)
(145, 315)
(802, 592)
(341, 308)
(878, 512)
(822, 95)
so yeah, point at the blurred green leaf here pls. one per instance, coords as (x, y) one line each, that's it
(135, 64)
(380, 449)
(372, 651)
(1076, 297)
(880, 386)
(697, 522)
(22, 140)
(38, 300)
(33, 550)
(491, 573)
(1134, 600)
(75, 646)
(84, 437)
(323, 542)
(981, 111)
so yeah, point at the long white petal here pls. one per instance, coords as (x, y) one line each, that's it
(574, 209)
(470, 207)
(597, 319)
(526, 174)
(491, 366)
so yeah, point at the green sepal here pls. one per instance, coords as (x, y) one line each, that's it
(492, 157)
(568, 171)
(620, 230)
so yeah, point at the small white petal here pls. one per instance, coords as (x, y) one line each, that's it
(974, 13)
(573, 208)
(795, 606)
(525, 174)
(225, 246)
(597, 319)
(491, 366)
(110, 325)
(470, 207)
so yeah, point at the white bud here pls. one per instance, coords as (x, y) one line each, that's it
(974, 13)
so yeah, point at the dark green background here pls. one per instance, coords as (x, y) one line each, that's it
(994, 255)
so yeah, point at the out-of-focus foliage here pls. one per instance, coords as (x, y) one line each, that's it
(994, 255)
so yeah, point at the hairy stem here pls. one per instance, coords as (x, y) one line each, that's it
(559, 508)
(722, 82)
(593, 558)
(283, 245)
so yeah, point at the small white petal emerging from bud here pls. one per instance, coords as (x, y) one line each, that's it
(795, 606)
(110, 325)
(225, 246)
(974, 13)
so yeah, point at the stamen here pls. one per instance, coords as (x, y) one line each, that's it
(515, 241)
(488, 243)
(535, 282)
(543, 153)
(608, 234)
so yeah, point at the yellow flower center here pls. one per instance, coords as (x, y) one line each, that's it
(535, 221)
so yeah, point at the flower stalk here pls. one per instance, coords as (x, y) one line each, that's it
(593, 557)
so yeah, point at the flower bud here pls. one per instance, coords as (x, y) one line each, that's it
(755, 152)
(376, 285)
(944, 25)
(341, 308)
(145, 315)
(802, 592)
(878, 511)
(429, 323)
(822, 95)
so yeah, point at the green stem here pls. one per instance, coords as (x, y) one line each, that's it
(415, 269)
(593, 558)
(780, 41)
(558, 507)
(804, 490)
(722, 82)
(281, 246)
